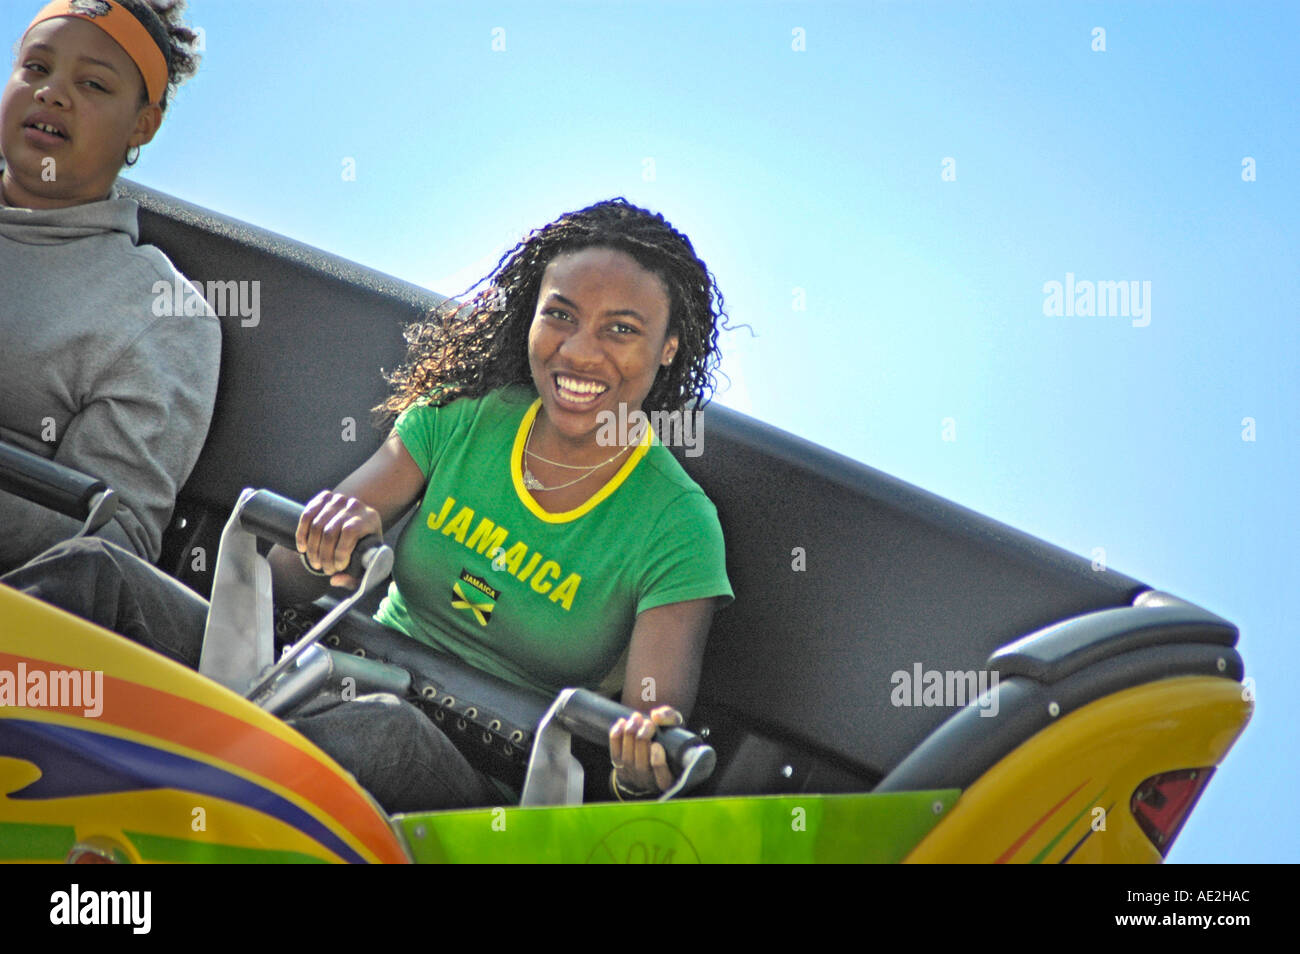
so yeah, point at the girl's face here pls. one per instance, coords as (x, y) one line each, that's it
(598, 338)
(68, 114)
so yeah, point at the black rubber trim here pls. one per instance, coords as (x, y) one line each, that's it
(1060, 650)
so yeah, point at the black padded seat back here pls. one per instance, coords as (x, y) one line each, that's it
(894, 576)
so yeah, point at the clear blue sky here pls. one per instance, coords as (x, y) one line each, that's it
(822, 170)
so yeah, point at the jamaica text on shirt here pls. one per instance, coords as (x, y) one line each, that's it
(490, 540)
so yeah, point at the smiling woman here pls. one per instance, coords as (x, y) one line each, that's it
(590, 564)
(93, 374)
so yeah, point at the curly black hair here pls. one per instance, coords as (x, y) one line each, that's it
(162, 18)
(467, 350)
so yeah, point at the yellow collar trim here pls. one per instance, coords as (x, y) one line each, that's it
(517, 472)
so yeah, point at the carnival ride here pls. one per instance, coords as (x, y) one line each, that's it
(825, 727)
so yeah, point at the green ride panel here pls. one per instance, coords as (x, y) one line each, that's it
(790, 829)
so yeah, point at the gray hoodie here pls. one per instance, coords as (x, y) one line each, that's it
(95, 371)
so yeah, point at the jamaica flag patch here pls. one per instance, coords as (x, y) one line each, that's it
(472, 593)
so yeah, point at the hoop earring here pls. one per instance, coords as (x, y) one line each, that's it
(132, 160)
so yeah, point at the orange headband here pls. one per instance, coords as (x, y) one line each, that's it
(130, 34)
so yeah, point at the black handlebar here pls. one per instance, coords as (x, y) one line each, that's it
(275, 518)
(590, 715)
(51, 485)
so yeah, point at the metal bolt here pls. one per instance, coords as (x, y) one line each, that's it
(1053, 709)
(1221, 664)
(181, 523)
(787, 770)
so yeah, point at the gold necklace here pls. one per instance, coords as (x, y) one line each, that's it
(532, 483)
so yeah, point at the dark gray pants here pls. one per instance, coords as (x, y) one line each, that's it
(389, 745)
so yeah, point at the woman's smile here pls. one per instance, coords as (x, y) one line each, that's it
(580, 392)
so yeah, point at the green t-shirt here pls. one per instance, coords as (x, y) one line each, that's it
(542, 600)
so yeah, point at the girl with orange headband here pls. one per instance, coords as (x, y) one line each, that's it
(93, 373)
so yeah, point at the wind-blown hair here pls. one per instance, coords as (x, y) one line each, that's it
(467, 350)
